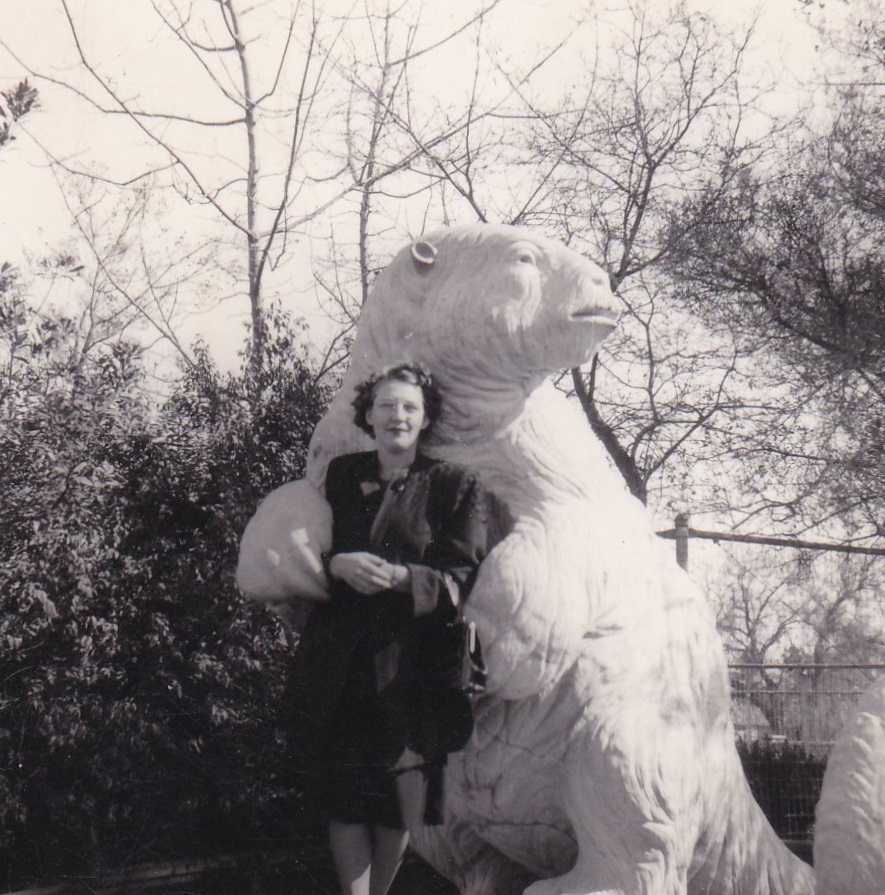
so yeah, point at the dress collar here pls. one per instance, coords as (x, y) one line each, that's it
(372, 471)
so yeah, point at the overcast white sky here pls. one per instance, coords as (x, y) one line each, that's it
(126, 37)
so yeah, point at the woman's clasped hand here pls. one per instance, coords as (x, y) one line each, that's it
(367, 573)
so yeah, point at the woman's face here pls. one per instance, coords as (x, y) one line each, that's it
(397, 415)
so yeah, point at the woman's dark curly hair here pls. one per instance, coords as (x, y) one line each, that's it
(414, 374)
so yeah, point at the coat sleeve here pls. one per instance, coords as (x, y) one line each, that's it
(342, 484)
(464, 531)
(341, 480)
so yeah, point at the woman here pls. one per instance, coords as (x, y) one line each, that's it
(409, 533)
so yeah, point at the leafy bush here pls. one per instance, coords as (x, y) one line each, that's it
(138, 690)
(786, 781)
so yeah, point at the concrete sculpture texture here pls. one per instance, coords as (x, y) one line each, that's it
(603, 758)
(849, 834)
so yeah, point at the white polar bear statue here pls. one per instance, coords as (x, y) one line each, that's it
(849, 830)
(603, 757)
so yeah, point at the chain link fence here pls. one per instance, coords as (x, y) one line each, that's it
(799, 704)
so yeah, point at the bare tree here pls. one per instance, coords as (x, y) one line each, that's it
(757, 608)
(241, 162)
(113, 274)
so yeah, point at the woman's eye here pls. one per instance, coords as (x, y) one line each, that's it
(526, 258)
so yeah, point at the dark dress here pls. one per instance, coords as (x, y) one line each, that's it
(366, 681)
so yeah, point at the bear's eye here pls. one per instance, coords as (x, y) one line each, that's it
(526, 258)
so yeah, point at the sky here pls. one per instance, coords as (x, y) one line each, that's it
(125, 36)
(135, 50)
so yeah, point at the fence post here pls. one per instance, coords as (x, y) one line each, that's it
(681, 530)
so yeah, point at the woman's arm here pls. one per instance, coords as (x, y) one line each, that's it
(464, 532)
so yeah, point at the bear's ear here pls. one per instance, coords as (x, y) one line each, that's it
(424, 254)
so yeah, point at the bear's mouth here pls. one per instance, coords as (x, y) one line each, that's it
(598, 316)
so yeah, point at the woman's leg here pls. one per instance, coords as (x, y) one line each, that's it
(351, 846)
(387, 856)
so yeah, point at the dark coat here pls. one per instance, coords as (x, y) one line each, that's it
(381, 649)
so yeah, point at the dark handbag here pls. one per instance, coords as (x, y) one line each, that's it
(449, 669)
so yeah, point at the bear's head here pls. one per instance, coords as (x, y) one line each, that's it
(491, 303)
